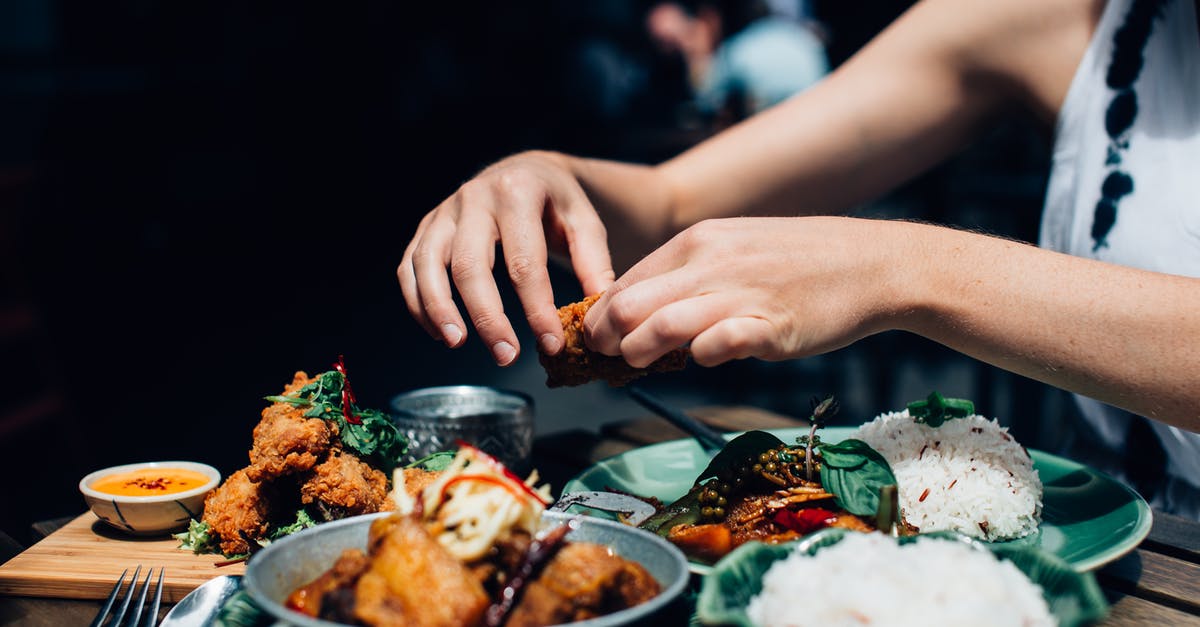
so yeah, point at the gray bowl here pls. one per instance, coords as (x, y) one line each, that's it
(291, 562)
(500, 422)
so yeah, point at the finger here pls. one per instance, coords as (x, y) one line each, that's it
(674, 325)
(473, 256)
(523, 243)
(408, 282)
(587, 243)
(430, 258)
(735, 338)
(626, 306)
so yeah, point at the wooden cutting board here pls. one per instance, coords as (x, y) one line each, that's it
(84, 559)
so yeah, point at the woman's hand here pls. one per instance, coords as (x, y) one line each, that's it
(771, 288)
(531, 204)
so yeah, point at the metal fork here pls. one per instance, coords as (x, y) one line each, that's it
(122, 618)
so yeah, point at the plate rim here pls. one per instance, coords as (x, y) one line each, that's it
(1143, 524)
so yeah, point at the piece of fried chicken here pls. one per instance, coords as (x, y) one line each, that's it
(285, 441)
(577, 364)
(344, 485)
(238, 505)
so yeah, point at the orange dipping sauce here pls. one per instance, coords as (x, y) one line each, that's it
(150, 482)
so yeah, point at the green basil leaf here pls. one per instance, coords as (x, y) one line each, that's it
(936, 409)
(746, 445)
(853, 472)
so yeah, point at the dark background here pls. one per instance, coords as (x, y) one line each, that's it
(199, 198)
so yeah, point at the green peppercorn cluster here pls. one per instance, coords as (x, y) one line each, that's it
(778, 467)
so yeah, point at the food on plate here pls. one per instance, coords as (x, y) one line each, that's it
(957, 471)
(151, 481)
(870, 579)
(472, 537)
(952, 470)
(316, 456)
(237, 510)
(577, 364)
(760, 489)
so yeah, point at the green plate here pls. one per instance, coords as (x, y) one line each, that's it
(1074, 598)
(1088, 518)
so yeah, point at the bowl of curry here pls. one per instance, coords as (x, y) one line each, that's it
(149, 498)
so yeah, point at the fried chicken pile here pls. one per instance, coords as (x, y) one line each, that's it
(576, 364)
(295, 461)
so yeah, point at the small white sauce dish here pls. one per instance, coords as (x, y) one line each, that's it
(149, 515)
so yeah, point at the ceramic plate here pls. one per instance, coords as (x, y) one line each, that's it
(1088, 518)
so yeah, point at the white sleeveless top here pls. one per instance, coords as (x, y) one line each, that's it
(1157, 224)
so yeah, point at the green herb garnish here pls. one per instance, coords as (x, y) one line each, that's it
(435, 462)
(198, 538)
(368, 432)
(936, 409)
(304, 520)
(853, 473)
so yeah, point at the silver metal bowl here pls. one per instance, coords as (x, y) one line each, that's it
(499, 422)
(291, 562)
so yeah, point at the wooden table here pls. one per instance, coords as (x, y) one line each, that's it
(1157, 584)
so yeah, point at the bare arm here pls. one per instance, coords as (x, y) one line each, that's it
(914, 95)
(1117, 334)
(917, 93)
(782, 288)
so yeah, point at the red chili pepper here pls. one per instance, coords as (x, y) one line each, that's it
(805, 520)
(348, 399)
(503, 469)
(482, 479)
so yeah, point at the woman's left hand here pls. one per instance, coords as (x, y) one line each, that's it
(771, 288)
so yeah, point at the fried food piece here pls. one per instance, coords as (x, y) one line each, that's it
(403, 552)
(310, 599)
(285, 442)
(238, 505)
(582, 581)
(417, 479)
(344, 485)
(577, 364)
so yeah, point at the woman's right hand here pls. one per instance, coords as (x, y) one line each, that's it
(532, 204)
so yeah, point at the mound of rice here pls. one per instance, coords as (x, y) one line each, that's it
(870, 579)
(968, 475)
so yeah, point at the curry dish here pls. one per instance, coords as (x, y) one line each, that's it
(471, 536)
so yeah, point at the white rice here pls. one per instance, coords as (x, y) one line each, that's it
(968, 475)
(869, 579)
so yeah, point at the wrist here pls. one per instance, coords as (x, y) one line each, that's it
(910, 262)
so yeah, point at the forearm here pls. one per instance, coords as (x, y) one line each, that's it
(632, 200)
(919, 92)
(1124, 336)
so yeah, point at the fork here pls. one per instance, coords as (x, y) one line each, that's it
(134, 620)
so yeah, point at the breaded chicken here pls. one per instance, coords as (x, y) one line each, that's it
(285, 441)
(582, 581)
(403, 552)
(344, 485)
(577, 364)
(238, 505)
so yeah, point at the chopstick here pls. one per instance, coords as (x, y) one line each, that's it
(709, 439)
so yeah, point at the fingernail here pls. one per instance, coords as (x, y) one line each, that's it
(452, 334)
(550, 344)
(504, 353)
